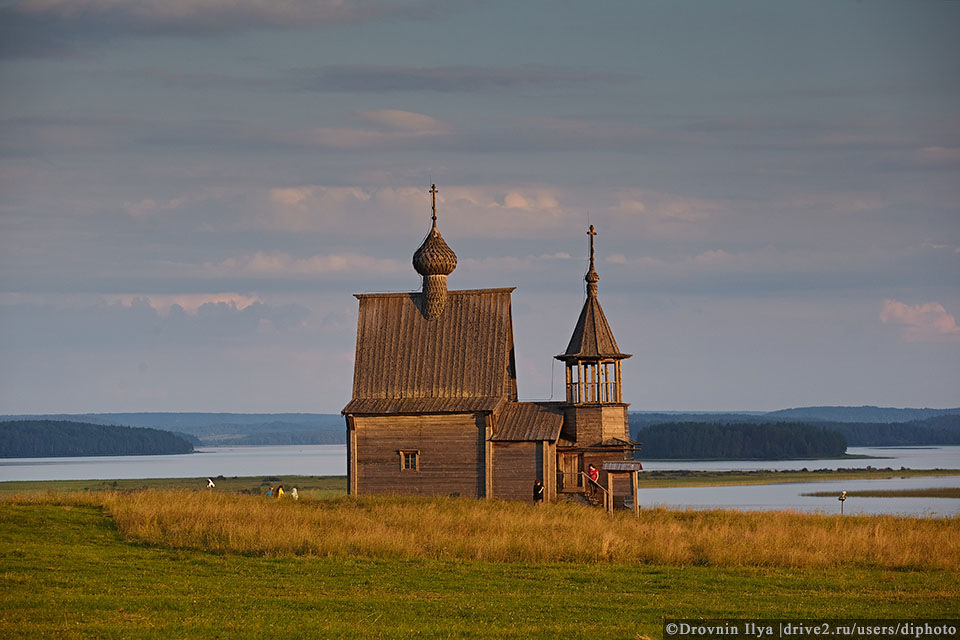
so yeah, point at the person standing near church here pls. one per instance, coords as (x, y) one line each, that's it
(538, 492)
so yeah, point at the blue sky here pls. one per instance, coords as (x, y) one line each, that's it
(191, 190)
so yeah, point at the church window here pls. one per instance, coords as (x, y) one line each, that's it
(409, 460)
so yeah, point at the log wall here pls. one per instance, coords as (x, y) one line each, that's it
(590, 424)
(452, 454)
(516, 466)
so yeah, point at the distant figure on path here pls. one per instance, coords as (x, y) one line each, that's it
(294, 494)
(280, 492)
(270, 492)
(538, 492)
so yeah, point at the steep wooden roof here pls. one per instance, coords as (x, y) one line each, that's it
(526, 421)
(458, 362)
(592, 336)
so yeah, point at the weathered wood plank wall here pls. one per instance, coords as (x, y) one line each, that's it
(516, 466)
(451, 454)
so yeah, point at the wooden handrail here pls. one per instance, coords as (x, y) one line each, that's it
(607, 501)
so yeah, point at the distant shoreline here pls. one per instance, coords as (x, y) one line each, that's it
(332, 486)
(846, 456)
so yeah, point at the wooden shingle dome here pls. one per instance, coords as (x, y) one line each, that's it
(434, 260)
(434, 257)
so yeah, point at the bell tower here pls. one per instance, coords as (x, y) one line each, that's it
(594, 411)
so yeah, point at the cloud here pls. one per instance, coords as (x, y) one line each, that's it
(394, 119)
(386, 79)
(148, 206)
(39, 28)
(927, 322)
(378, 78)
(938, 157)
(217, 16)
(188, 302)
(272, 265)
(667, 215)
(498, 211)
(150, 321)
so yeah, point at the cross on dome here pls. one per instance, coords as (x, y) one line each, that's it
(592, 277)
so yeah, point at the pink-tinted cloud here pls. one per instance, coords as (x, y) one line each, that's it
(189, 302)
(409, 121)
(269, 265)
(148, 206)
(928, 322)
(220, 15)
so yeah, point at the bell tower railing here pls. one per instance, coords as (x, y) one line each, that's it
(593, 382)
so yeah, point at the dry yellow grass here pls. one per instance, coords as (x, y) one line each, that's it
(452, 529)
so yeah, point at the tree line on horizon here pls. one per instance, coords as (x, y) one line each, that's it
(58, 438)
(739, 441)
(936, 430)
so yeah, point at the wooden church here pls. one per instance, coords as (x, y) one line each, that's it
(435, 408)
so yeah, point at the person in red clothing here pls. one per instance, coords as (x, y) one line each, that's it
(594, 474)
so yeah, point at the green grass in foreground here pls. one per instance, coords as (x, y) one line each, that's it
(65, 573)
(941, 492)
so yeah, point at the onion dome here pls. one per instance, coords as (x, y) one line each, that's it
(434, 260)
(434, 257)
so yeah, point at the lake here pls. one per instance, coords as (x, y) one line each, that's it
(326, 460)
(298, 460)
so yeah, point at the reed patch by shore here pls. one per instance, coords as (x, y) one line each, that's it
(410, 528)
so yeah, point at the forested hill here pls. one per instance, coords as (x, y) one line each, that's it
(739, 441)
(859, 414)
(54, 438)
(217, 429)
(942, 429)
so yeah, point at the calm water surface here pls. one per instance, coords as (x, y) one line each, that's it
(789, 495)
(324, 460)
(299, 460)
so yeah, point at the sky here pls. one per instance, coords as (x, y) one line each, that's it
(191, 191)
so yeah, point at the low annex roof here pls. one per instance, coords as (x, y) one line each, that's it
(528, 421)
(457, 362)
(622, 465)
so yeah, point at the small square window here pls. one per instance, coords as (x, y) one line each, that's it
(409, 460)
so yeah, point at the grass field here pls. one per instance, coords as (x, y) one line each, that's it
(71, 571)
(409, 528)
